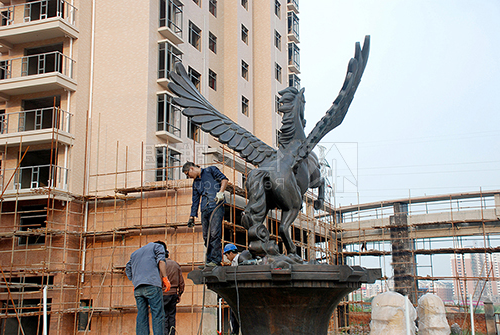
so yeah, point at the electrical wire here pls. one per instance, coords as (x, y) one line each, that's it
(206, 258)
(237, 295)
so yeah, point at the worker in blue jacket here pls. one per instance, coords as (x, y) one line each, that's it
(209, 185)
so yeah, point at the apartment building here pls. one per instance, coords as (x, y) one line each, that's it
(482, 270)
(91, 145)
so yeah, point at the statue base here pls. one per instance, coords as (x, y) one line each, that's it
(296, 300)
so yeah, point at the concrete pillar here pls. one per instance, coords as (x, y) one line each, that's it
(403, 262)
(489, 315)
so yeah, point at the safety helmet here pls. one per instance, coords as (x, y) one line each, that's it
(230, 247)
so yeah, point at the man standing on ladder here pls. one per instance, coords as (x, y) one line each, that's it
(209, 185)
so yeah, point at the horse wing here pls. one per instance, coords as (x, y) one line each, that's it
(336, 113)
(203, 114)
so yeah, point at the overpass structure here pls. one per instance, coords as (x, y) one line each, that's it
(459, 225)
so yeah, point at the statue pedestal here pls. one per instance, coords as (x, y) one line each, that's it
(296, 300)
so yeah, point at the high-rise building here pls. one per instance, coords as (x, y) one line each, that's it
(482, 268)
(87, 125)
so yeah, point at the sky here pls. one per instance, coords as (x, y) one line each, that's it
(425, 118)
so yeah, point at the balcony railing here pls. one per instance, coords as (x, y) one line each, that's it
(169, 117)
(169, 128)
(48, 175)
(37, 64)
(38, 10)
(35, 119)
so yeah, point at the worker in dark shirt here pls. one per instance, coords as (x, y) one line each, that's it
(172, 297)
(147, 271)
(209, 185)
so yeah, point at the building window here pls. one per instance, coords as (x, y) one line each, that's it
(212, 7)
(32, 219)
(277, 8)
(168, 115)
(244, 70)
(3, 122)
(294, 55)
(168, 56)
(293, 24)
(193, 131)
(244, 3)
(244, 105)
(277, 104)
(277, 72)
(244, 34)
(212, 80)
(194, 35)
(5, 69)
(277, 40)
(168, 164)
(195, 77)
(197, 2)
(83, 317)
(294, 81)
(212, 42)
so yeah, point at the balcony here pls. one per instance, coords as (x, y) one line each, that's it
(35, 21)
(37, 126)
(293, 5)
(38, 176)
(170, 25)
(293, 27)
(36, 73)
(168, 56)
(168, 120)
(33, 180)
(294, 81)
(168, 164)
(293, 58)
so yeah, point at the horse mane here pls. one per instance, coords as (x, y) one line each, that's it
(289, 109)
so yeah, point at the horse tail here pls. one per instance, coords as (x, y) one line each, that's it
(256, 208)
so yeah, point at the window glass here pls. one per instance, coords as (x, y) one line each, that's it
(194, 35)
(244, 34)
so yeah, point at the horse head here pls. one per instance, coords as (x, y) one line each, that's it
(292, 106)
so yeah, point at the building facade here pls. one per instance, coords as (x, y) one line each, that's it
(482, 270)
(91, 143)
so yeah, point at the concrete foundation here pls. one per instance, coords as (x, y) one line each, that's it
(294, 301)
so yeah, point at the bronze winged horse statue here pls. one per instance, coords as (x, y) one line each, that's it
(282, 176)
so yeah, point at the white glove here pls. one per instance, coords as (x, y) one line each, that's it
(219, 197)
